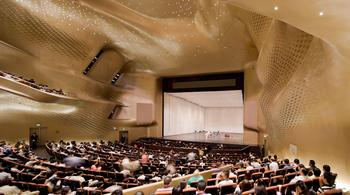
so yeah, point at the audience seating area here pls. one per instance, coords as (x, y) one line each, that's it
(31, 83)
(107, 168)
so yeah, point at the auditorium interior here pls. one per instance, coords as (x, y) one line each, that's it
(174, 97)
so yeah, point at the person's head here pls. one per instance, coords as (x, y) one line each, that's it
(183, 184)
(167, 181)
(312, 163)
(326, 168)
(201, 185)
(245, 185)
(260, 182)
(118, 191)
(275, 157)
(317, 172)
(65, 190)
(226, 174)
(196, 172)
(296, 161)
(265, 160)
(328, 175)
(260, 190)
(304, 172)
(248, 175)
(176, 191)
(286, 161)
(300, 187)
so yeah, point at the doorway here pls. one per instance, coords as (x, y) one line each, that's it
(124, 137)
(41, 132)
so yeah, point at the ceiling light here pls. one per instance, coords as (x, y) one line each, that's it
(275, 8)
(321, 13)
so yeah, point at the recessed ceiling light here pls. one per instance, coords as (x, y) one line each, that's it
(275, 8)
(321, 13)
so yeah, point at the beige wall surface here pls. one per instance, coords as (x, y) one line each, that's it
(250, 136)
(300, 83)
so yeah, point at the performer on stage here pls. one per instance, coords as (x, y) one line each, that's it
(207, 134)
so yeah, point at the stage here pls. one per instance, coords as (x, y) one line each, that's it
(221, 138)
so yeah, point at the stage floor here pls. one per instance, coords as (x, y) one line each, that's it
(222, 138)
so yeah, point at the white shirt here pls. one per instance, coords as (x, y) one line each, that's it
(77, 178)
(256, 165)
(225, 182)
(191, 156)
(298, 178)
(5, 176)
(249, 167)
(273, 166)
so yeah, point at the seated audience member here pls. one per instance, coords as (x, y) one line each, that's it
(260, 182)
(303, 175)
(76, 177)
(113, 188)
(296, 164)
(201, 188)
(226, 180)
(179, 189)
(96, 166)
(220, 176)
(286, 164)
(316, 173)
(191, 156)
(249, 166)
(266, 163)
(176, 191)
(312, 164)
(171, 168)
(118, 191)
(260, 190)
(327, 179)
(6, 189)
(66, 191)
(167, 185)
(144, 158)
(243, 186)
(5, 178)
(195, 177)
(53, 184)
(301, 189)
(275, 157)
(274, 165)
(240, 167)
(256, 164)
(248, 176)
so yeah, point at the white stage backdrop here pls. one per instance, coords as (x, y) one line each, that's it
(224, 119)
(182, 116)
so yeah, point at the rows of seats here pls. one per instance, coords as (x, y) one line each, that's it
(35, 177)
(31, 83)
(275, 182)
(229, 189)
(30, 172)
